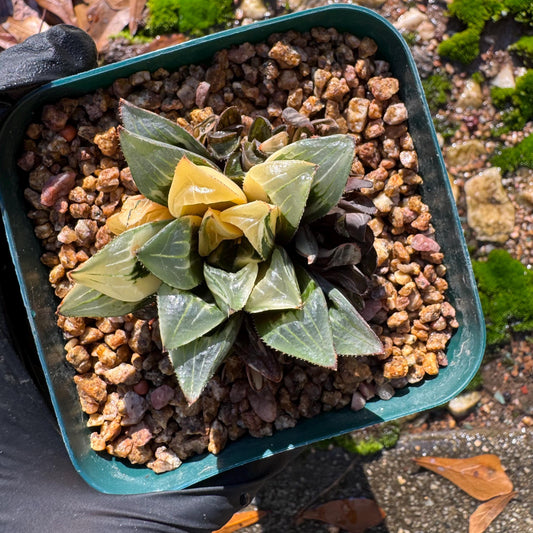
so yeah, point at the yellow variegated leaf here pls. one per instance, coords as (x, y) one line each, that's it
(257, 220)
(195, 188)
(213, 231)
(136, 210)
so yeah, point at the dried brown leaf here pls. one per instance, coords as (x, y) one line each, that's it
(20, 30)
(240, 520)
(106, 18)
(165, 40)
(352, 514)
(136, 11)
(81, 11)
(483, 516)
(61, 8)
(6, 40)
(482, 477)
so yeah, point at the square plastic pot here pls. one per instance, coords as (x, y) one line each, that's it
(464, 351)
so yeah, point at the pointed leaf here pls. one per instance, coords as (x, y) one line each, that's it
(333, 155)
(261, 129)
(285, 184)
(231, 289)
(354, 515)
(257, 220)
(223, 143)
(240, 520)
(152, 164)
(136, 211)
(183, 316)
(304, 333)
(484, 515)
(213, 231)
(153, 126)
(83, 301)
(277, 288)
(195, 363)
(482, 477)
(115, 271)
(351, 334)
(172, 254)
(195, 188)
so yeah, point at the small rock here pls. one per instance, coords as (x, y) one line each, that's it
(505, 77)
(471, 95)
(490, 213)
(372, 4)
(410, 20)
(254, 9)
(461, 154)
(461, 405)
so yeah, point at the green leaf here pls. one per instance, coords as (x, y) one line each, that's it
(277, 287)
(172, 254)
(195, 363)
(287, 185)
(333, 155)
(304, 333)
(83, 301)
(231, 289)
(183, 316)
(351, 333)
(153, 126)
(152, 164)
(115, 271)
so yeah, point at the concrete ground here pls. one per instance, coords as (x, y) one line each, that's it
(415, 500)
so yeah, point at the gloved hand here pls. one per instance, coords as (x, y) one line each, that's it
(39, 489)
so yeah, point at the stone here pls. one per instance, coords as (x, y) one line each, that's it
(414, 20)
(471, 95)
(490, 213)
(372, 4)
(463, 153)
(254, 9)
(461, 405)
(505, 77)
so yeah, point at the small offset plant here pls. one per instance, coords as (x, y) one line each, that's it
(241, 243)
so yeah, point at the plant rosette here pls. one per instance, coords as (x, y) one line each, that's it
(251, 244)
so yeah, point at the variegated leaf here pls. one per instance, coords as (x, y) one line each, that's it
(152, 164)
(304, 333)
(83, 301)
(277, 287)
(172, 254)
(285, 184)
(231, 289)
(183, 316)
(153, 126)
(257, 220)
(195, 363)
(213, 231)
(351, 334)
(115, 271)
(333, 155)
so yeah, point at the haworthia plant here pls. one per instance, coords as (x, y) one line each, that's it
(213, 249)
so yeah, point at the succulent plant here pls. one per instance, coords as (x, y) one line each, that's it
(260, 258)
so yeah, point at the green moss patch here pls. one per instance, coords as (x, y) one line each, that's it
(524, 48)
(506, 291)
(437, 88)
(194, 17)
(511, 158)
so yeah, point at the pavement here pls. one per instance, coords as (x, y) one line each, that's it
(415, 500)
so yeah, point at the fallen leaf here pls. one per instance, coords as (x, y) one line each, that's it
(81, 11)
(240, 520)
(20, 30)
(106, 18)
(483, 516)
(162, 41)
(136, 11)
(355, 515)
(482, 477)
(61, 8)
(6, 39)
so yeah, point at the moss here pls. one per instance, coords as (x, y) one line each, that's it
(194, 17)
(524, 48)
(501, 96)
(462, 46)
(478, 77)
(506, 292)
(520, 155)
(367, 441)
(474, 13)
(437, 88)
(410, 37)
(522, 10)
